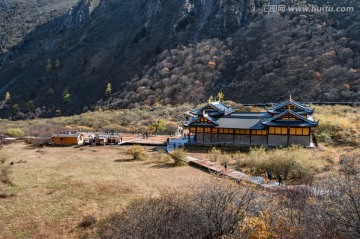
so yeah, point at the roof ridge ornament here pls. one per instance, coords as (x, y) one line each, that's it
(290, 98)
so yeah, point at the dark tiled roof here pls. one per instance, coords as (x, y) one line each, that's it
(240, 120)
(291, 123)
(193, 120)
(212, 120)
(222, 108)
(209, 112)
(276, 112)
(296, 104)
(239, 123)
(218, 109)
(224, 117)
(276, 120)
(237, 120)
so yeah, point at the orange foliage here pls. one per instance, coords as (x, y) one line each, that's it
(212, 64)
(258, 227)
(265, 226)
(352, 70)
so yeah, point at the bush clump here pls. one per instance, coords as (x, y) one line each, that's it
(3, 156)
(87, 221)
(4, 195)
(15, 132)
(137, 152)
(5, 176)
(162, 156)
(179, 157)
(214, 154)
(338, 125)
(292, 162)
(215, 209)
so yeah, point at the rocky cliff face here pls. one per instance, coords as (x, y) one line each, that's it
(173, 51)
(19, 17)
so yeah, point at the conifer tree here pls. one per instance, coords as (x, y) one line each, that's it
(7, 97)
(58, 64)
(220, 96)
(108, 90)
(66, 96)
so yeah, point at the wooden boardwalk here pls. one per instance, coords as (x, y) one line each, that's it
(153, 140)
(229, 173)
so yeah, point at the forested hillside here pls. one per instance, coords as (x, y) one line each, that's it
(172, 52)
(19, 17)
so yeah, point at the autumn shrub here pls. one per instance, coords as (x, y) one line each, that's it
(240, 159)
(137, 152)
(3, 156)
(325, 136)
(85, 128)
(292, 162)
(15, 132)
(87, 221)
(114, 127)
(213, 210)
(179, 157)
(327, 209)
(214, 154)
(4, 195)
(338, 125)
(5, 176)
(162, 156)
(350, 163)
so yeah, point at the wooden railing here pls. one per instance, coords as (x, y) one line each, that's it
(356, 104)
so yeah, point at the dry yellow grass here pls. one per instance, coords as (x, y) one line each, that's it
(57, 187)
(339, 125)
(325, 160)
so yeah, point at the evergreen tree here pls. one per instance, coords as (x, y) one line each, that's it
(7, 97)
(50, 91)
(31, 105)
(108, 90)
(220, 96)
(58, 64)
(66, 96)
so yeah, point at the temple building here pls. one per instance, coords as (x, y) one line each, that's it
(283, 124)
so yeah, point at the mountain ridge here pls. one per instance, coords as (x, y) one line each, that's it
(172, 52)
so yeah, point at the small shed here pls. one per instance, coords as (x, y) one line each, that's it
(89, 139)
(100, 139)
(67, 139)
(112, 138)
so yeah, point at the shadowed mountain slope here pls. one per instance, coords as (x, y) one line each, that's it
(171, 52)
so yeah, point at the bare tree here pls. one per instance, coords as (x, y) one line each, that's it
(211, 211)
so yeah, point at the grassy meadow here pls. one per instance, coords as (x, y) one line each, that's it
(52, 192)
(125, 120)
(57, 187)
(339, 125)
